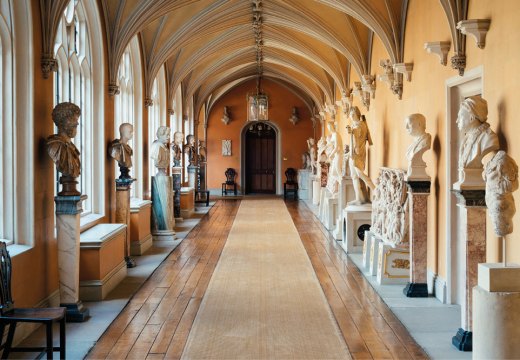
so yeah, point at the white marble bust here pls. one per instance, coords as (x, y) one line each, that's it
(160, 152)
(501, 177)
(119, 148)
(416, 127)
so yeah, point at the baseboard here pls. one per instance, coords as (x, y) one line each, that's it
(138, 248)
(437, 286)
(97, 290)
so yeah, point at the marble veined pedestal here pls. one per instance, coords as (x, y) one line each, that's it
(356, 219)
(123, 214)
(177, 184)
(304, 184)
(68, 211)
(192, 176)
(163, 221)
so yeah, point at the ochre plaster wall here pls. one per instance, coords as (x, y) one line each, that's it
(281, 102)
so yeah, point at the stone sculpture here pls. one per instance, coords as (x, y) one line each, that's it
(320, 156)
(202, 151)
(121, 151)
(312, 155)
(416, 127)
(294, 116)
(360, 136)
(346, 158)
(336, 156)
(62, 150)
(225, 116)
(160, 152)
(189, 149)
(478, 140)
(501, 176)
(178, 137)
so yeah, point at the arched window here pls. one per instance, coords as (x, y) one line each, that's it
(16, 153)
(78, 31)
(156, 112)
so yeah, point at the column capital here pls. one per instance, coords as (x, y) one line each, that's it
(69, 205)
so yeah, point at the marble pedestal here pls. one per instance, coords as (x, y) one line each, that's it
(373, 262)
(123, 214)
(68, 211)
(163, 221)
(304, 184)
(329, 208)
(367, 246)
(418, 192)
(356, 219)
(345, 194)
(316, 190)
(192, 176)
(496, 312)
(393, 264)
(472, 232)
(177, 184)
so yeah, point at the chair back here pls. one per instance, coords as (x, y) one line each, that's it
(230, 176)
(6, 300)
(290, 174)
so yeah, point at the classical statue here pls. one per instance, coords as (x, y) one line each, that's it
(360, 136)
(121, 151)
(320, 156)
(478, 139)
(160, 152)
(225, 116)
(312, 155)
(178, 137)
(501, 177)
(189, 149)
(346, 158)
(416, 127)
(336, 156)
(202, 151)
(62, 150)
(294, 116)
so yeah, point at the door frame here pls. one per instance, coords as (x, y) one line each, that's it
(278, 154)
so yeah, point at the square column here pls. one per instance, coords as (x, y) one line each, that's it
(123, 187)
(192, 176)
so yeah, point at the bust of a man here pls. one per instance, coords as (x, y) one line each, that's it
(189, 149)
(160, 152)
(178, 137)
(422, 141)
(202, 151)
(60, 147)
(121, 151)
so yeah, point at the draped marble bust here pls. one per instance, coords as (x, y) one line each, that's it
(416, 126)
(160, 153)
(178, 138)
(119, 148)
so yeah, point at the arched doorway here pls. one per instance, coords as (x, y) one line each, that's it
(260, 158)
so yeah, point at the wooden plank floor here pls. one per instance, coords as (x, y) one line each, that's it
(156, 322)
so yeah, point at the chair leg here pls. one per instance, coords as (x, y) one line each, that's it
(49, 340)
(63, 340)
(9, 341)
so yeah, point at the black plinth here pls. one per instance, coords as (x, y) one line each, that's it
(130, 263)
(463, 340)
(76, 312)
(416, 290)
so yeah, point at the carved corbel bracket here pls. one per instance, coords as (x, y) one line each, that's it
(48, 64)
(439, 48)
(388, 75)
(369, 85)
(148, 102)
(113, 89)
(477, 28)
(363, 95)
(405, 69)
(458, 62)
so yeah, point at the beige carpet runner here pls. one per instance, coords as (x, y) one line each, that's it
(264, 300)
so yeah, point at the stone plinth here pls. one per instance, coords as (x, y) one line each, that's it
(330, 206)
(496, 314)
(68, 211)
(304, 184)
(356, 221)
(472, 232)
(163, 221)
(393, 264)
(367, 247)
(192, 176)
(345, 194)
(140, 225)
(187, 202)
(418, 192)
(177, 184)
(374, 255)
(123, 213)
(316, 190)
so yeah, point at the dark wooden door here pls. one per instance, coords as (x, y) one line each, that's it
(261, 159)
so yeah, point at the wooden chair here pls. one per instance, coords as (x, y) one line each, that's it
(230, 181)
(291, 184)
(10, 316)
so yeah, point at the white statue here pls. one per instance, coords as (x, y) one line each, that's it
(346, 158)
(416, 127)
(336, 156)
(160, 151)
(320, 156)
(121, 151)
(312, 154)
(478, 141)
(501, 176)
(360, 136)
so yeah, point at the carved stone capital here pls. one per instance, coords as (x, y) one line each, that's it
(113, 89)
(148, 102)
(458, 62)
(48, 64)
(471, 198)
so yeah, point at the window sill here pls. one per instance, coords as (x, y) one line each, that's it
(88, 221)
(15, 249)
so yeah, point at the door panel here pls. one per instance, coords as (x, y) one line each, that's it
(260, 160)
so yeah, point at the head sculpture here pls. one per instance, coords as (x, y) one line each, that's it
(178, 137)
(415, 124)
(501, 176)
(121, 151)
(65, 116)
(190, 140)
(473, 111)
(126, 131)
(354, 113)
(163, 134)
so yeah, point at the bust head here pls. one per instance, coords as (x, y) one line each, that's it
(178, 137)
(163, 134)
(190, 140)
(415, 124)
(473, 111)
(310, 141)
(355, 114)
(66, 117)
(126, 131)
(331, 125)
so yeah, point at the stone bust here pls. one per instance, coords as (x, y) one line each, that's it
(178, 137)
(160, 152)
(202, 151)
(60, 147)
(121, 151)
(189, 149)
(416, 127)
(501, 177)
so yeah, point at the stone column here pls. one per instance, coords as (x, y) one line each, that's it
(68, 211)
(418, 192)
(192, 176)
(163, 221)
(177, 184)
(123, 187)
(472, 231)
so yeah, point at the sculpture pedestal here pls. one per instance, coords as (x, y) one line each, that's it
(356, 220)
(329, 208)
(304, 184)
(496, 312)
(316, 190)
(418, 192)
(123, 214)
(192, 176)
(177, 184)
(367, 247)
(472, 232)
(373, 264)
(68, 211)
(393, 264)
(163, 221)
(345, 194)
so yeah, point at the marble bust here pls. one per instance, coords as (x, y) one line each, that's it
(478, 140)
(160, 152)
(501, 177)
(360, 136)
(202, 151)
(189, 149)
(416, 127)
(178, 137)
(121, 151)
(62, 150)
